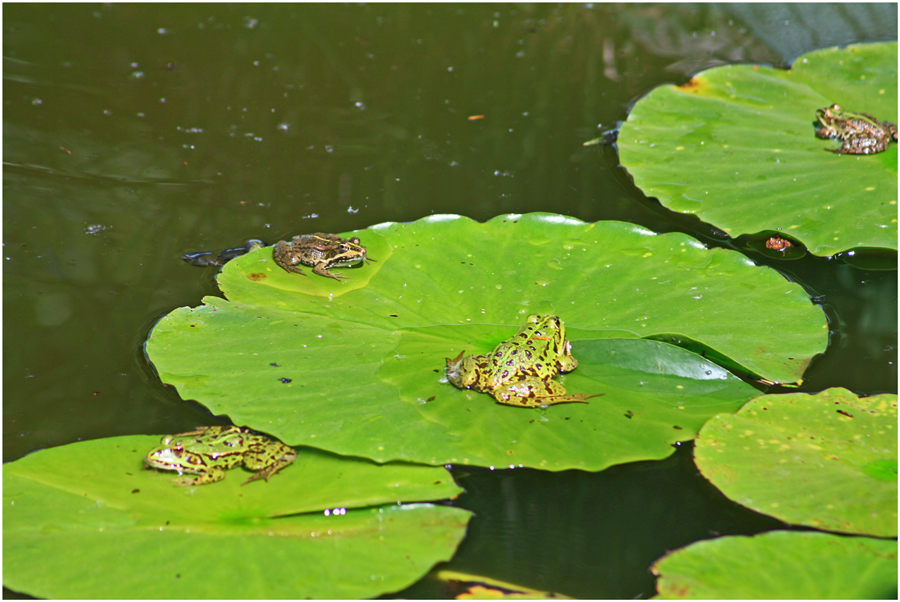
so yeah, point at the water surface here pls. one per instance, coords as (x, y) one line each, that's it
(136, 133)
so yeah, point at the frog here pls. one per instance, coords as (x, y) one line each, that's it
(520, 370)
(320, 251)
(858, 133)
(205, 259)
(208, 451)
(776, 243)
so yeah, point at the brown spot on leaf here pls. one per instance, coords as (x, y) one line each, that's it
(693, 85)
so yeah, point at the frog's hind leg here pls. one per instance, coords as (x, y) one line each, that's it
(538, 393)
(257, 462)
(574, 398)
(537, 401)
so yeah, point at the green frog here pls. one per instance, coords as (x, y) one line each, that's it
(521, 369)
(319, 251)
(859, 133)
(208, 451)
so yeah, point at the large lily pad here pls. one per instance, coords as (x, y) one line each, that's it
(324, 527)
(780, 565)
(827, 461)
(365, 359)
(737, 147)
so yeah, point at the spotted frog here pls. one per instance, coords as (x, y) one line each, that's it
(858, 133)
(319, 251)
(521, 369)
(209, 451)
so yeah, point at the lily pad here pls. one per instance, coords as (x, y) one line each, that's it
(827, 461)
(324, 527)
(736, 146)
(780, 565)
(357, 367)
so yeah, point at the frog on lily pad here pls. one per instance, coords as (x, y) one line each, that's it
(320, 251)
(208, 451)
(520, 370)
(858, 133)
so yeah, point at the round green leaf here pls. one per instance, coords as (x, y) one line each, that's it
(365, 359)
(780, 565)
(286, 538)
(736, 146)
(827, 461)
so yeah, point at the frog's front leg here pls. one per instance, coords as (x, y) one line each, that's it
(567, 363)
(209, 476)
(321, 271)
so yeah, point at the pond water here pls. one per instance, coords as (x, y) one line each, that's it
(136, 133)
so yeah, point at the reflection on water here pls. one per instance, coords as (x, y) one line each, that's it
(136, 133)
(587, 534)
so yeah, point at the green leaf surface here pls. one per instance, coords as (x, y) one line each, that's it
(737, 147)
(365, 358)
(827, 461)
(780, 565)
(92, 500)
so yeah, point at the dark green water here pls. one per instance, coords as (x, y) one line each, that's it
(136, 133)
